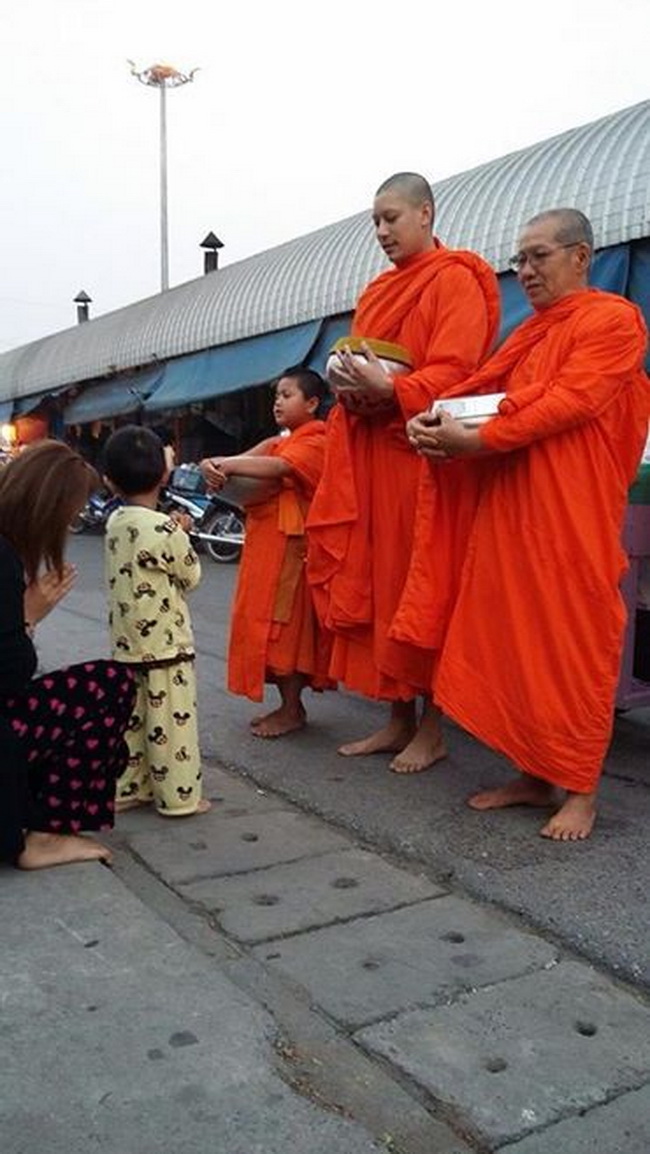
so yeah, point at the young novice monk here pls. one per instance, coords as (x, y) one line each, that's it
(274, 635)
(150, 566)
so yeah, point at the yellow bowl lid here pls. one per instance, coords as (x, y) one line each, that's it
(383, 349)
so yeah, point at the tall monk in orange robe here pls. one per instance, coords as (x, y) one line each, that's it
(442, 306)
(531, 659)
(275, 636)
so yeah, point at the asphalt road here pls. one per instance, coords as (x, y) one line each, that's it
(589, 897)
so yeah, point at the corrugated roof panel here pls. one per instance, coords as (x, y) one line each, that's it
(602, 168)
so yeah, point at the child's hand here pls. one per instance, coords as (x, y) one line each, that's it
(183, 520)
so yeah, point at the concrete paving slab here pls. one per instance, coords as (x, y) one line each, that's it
(210, 846)
(287, 899)
(153, 1049)
(619, 1127)
(518, 1056)
(600, 907)
(236, 798)
(417, 956)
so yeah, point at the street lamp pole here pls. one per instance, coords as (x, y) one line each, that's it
(162, 77)
(164, 230)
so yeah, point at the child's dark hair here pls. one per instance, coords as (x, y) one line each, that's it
(134, 460)
(310, 383)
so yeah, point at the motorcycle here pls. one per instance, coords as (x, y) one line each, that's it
(216, 524)
(95, 512)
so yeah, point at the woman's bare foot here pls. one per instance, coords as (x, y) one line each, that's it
(281, 721)
(124, 804)
(524, 791)
(43, 850)
(574, 820)
(425, 748)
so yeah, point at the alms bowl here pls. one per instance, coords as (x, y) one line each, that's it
(247, 491)
(471, 411)
(394, 358)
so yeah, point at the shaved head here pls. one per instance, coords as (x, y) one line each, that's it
(411, 187)
(570, 225)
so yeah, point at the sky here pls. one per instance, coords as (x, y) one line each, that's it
(298, 111)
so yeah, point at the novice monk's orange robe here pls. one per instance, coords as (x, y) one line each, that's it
(531, 660)
(443, 306)
(274, 631)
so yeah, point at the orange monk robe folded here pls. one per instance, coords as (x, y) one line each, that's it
(274, 631)
(443, 306)
(532, 655)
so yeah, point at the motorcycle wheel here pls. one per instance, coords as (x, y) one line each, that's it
(224, 521)
(79, 525)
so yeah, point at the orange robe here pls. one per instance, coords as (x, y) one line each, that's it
(443, 306)
(532, 655)
(274, 631)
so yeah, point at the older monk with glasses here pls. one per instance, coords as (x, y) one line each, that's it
(531, 657)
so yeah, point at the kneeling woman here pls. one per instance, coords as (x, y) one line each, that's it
(61, 735)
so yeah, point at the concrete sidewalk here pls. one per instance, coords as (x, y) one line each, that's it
(254, 980)
(299, 969)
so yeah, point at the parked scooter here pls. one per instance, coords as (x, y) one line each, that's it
(216, 523)
(95, 512)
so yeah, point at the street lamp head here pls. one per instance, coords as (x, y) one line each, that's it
(162, 75)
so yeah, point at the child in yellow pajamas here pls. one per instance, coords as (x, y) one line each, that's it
(150, 566)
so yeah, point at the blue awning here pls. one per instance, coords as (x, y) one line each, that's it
(202, 376)
(333, 329)
(639, 283)
(6, 409)
(116, 398)
(25, 405)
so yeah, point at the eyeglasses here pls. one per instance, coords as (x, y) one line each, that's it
(537, 256)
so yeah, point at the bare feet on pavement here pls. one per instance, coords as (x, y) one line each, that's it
(281, 721)
(425, 748)
(524, 791)
(574, 820)
(43, 850)
(393, 738)
(418, 755)
(203, 807)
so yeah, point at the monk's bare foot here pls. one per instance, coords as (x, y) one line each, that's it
(426, 746)
(574, 820)
(282, 721)
(393, 738)
(124, 804)
(418, 755)
(43, 850)
(524, 791)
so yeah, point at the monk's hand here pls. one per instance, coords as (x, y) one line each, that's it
(421, 428)
(367, 375)
(46, 591)
(422, 433)
(454, 439)
(212, 470)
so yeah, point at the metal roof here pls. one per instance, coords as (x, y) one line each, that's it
(602, 168)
